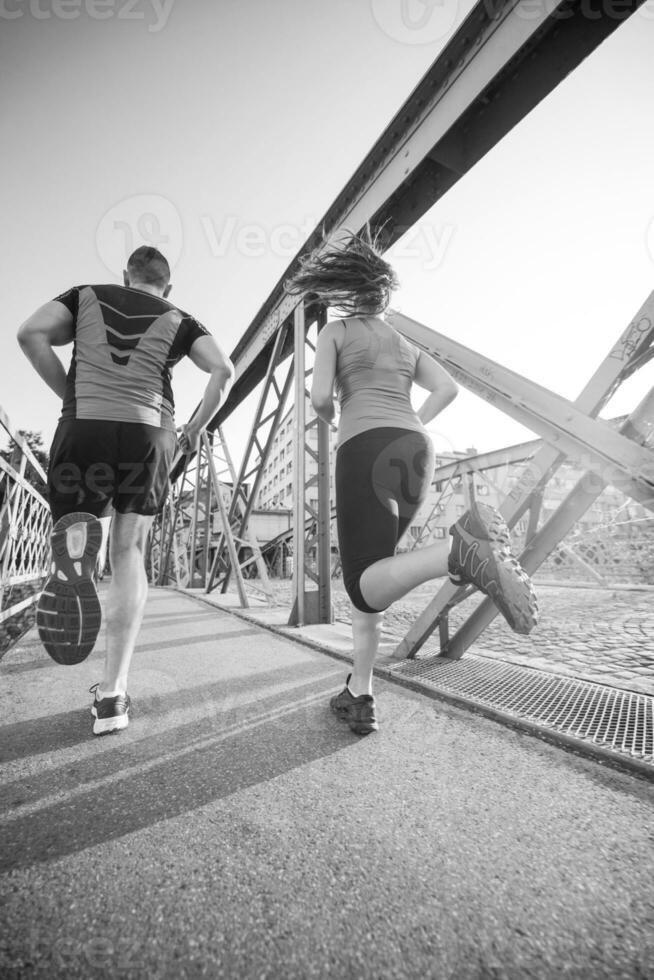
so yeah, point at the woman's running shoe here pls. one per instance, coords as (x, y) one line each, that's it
(111, 714)
(481, 555)
(359, 713)
(68, 614)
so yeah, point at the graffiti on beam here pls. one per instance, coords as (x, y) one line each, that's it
(632, 339)
(471, 383)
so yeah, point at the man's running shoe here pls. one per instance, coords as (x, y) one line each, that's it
(481, 555)
(111, 714)
(358, 712)
(68, 614)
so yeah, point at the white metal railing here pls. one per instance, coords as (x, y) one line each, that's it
(25, 526)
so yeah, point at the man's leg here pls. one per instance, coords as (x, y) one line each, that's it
(126, 597)
(68, 613)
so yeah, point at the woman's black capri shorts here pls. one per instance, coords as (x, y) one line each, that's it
(382, 478)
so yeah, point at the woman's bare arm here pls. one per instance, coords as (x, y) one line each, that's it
(442, 389)
(324, 371)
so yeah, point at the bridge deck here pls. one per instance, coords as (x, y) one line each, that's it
(238, 830)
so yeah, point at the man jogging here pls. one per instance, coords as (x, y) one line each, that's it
(111, 454)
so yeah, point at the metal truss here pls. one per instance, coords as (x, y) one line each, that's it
(167, 559)
(613, 548)
(460, 472)
(505, 58)
(310, 549)
(172, 557)
(207, 555)
(624, 459)
(25, 526)
(247, 484)
(193, 542)
(237, 550)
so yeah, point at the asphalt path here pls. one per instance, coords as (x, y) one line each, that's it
(238, 830)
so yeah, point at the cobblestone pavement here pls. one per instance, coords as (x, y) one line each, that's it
(600, 635)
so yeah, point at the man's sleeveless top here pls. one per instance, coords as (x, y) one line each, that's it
(126, 344)
(375, 369)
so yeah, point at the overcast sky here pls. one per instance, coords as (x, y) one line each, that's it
(223, 131)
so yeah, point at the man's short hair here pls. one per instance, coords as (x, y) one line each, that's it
(147, 265)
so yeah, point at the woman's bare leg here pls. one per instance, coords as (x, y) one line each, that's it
(391, 578)
(366, 632)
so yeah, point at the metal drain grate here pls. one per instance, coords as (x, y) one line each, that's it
(620, 721)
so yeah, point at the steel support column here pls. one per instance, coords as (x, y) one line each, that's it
(325, 610)
(297, 617)
(311, 525)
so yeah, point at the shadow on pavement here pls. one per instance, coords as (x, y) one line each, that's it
(56, 732)
(166, 620)
(173, 772)
(219, 633)
(28, 665)
(174, 643)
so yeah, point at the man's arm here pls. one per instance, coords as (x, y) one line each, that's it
(208, 356)
(51, 326)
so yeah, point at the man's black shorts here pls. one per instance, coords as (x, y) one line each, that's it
(96, 465)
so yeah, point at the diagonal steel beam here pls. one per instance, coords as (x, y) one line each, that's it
(631, 348)
(218, 496)
(494, 459)
(560, 422)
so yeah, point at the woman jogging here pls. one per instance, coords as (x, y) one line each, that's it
(385, 464)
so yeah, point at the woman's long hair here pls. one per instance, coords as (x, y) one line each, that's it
(349, 274)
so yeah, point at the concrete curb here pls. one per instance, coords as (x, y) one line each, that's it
(578, 747)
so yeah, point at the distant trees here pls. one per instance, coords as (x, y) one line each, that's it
(13, 454)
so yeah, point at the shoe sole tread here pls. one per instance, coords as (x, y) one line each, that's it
(68, 614)
(507, 585)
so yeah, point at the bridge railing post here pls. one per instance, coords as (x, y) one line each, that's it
(25, 526)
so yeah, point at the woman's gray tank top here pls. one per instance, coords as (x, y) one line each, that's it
(375, 369)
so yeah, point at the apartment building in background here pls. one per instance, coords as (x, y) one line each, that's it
(276, 490)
